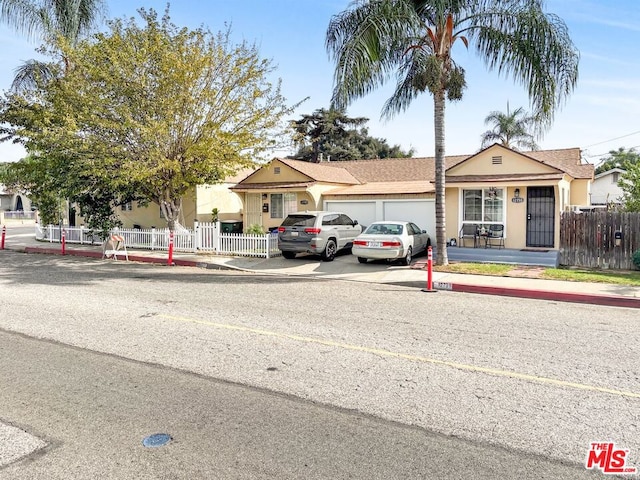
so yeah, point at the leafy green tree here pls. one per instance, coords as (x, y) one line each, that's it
(333, 135)
(151, 111)
(622, 158)
(510, 129)
(49, 20)
(30, 178)
(374, 41)
(630, 185)
(318, 129)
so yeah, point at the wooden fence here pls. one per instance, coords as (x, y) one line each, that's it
(598, 239)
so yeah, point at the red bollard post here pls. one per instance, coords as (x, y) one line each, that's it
(64, 243)
(429, 271)
(4, 234)
(170, 260)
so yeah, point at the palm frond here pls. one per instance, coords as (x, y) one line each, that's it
(30, 74)
(367, 43)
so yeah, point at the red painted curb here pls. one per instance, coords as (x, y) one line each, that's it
(96, 254)
(606, 300)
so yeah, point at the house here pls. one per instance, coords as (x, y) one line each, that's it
(605, 190)
(524, 192)
(11, 201)
(197, 205)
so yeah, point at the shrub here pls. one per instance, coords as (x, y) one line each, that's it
(636, 259)
(255, 229)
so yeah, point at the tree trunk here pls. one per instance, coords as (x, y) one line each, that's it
(441, 229)
(171, 211)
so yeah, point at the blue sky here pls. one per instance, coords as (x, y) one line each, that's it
(601, 115)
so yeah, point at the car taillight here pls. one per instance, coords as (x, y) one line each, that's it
(281, 229)
(314, 231)
(391, 244)
(362, 243)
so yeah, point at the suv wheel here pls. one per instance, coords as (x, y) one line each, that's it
(330, 251)
(407, 258)
(289, 255)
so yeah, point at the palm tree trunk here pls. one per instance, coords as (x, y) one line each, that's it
(441, 230)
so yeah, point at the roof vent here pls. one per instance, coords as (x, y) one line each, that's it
(276, 170)
(496, 160)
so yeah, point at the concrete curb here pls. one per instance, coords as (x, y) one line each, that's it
(591, 299)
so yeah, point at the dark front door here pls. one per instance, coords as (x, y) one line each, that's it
(540, 216)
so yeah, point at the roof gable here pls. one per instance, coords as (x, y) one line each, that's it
(291, 171)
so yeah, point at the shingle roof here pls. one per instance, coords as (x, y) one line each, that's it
(394, 169)
(408, 169)
(566, 159)
(382, 188)
(503, 178)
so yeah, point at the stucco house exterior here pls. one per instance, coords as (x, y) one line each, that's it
(605, 190)
(524, 191)
(13, 201)
(196, 206)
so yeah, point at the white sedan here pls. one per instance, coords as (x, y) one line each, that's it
(390, 240)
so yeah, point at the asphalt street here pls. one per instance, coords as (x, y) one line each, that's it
(94, 410)
(534, 379)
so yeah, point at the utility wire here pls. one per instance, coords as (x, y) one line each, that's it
(612, 139)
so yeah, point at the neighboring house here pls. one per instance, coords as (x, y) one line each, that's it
(13, 201)
(605, 190)
(523, 191)
(198, 205)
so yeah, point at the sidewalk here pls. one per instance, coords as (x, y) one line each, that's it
(346, 267)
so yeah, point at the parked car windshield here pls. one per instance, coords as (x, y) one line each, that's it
(384, 229)
(299, 221)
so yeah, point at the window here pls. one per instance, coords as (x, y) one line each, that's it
(615, 177)
(282, 204)
(276, 170)
(127, 207)
(483, 205)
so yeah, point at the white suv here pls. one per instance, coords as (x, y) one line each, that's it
(317, 232)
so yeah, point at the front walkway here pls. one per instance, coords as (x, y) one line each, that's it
(543, 258)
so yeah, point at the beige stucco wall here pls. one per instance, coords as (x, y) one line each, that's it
(515, 220)
(228, 203)
(580, 189)
(512, 163)
(452, 213)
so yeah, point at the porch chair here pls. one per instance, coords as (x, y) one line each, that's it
(495, 236)
(468, 230)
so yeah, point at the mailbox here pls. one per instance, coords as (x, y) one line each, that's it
(617, 236)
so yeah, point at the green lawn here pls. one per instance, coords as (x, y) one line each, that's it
(568, 274)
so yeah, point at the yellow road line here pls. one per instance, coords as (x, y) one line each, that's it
(415, 358)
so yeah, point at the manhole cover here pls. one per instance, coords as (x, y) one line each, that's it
(156, 440)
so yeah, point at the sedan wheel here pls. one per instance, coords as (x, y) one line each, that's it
(330, 251)
(362, 260)
(407, 258)
(289, 255)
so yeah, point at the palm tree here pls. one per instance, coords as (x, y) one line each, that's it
(48, 20)
(373, 40)
(510, 129)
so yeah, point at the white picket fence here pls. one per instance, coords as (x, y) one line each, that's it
(204, 237)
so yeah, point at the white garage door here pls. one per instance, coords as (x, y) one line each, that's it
(422, 213)
(363, 212)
